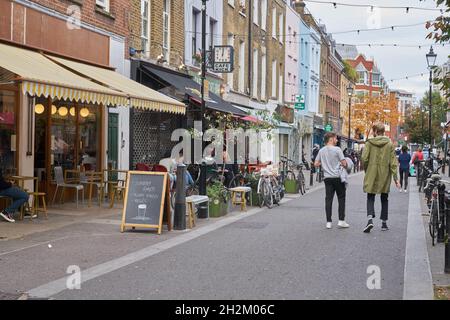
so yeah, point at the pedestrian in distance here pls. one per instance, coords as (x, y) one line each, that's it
(331, 158)
(404, 159)
(417, 157)
(380, 165)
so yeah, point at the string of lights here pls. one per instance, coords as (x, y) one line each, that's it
(372, 7)
(392, 27)
(386, 80)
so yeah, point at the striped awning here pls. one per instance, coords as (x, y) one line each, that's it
(80, 95)
(140, 96)
(40, 76)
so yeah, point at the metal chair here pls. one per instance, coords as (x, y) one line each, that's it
(93, 179)
(60, 183)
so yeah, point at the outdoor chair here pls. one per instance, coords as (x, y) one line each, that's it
(93, 179)
(60, 183)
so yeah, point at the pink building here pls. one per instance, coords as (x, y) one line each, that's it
(292, 67)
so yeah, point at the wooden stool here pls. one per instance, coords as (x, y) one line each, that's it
(35, 203)
(242, 191)
(190, 202)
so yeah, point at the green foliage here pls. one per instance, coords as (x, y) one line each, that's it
(350, 72)
(413, 123)
(440, 33)
(217, 191)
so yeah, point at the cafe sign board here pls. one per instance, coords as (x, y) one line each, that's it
(147, 201)
(222, 59)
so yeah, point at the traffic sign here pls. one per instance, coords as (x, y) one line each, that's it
(300, 102)
(328, 127)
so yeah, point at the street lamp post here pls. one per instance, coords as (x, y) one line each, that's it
(350, 94)
(203, 211)
(431, 61)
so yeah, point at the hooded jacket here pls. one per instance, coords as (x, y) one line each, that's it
(380, 164)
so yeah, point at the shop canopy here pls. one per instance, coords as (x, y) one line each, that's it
(40, 76)
(140, 96)
(68, 80)
(187, 86)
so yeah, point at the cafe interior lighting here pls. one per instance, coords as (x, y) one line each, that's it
(62, 111)
(84, 112)
(39, 108)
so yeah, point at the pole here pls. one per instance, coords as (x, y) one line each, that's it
(447, 245)
(349, 120)
(180, 199)
(202, 210)
(429, 120)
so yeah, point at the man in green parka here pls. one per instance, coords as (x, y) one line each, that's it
(380, 165)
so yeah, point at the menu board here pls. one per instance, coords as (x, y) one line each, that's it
(146, 200)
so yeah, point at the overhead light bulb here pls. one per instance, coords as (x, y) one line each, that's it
(84, 112)
(54, 109)
(39, 108)
(62, 111)
(72, 111)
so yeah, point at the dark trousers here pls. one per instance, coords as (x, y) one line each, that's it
(404, 173)
(371, 206)
(334, 185)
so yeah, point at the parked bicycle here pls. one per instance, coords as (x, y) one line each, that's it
(270, 191)
(435, 195)
(288, 172)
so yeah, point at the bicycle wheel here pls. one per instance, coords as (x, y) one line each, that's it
(267, 194)
(432, 225)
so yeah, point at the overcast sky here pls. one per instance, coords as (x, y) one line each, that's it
(394, 62)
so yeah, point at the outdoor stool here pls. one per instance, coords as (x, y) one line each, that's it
(241, 191)
(191, 201)
(35, 203)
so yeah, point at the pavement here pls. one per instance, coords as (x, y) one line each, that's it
(282, 253)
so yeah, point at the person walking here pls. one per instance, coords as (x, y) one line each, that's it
(331, 158)
(404, 159)
(417, 157)
(380, 165)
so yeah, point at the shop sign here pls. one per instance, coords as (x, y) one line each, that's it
(328, 127)
(147, 200)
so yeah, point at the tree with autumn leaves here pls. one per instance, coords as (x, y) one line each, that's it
(368, 110)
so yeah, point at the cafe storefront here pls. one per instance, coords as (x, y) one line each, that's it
(54, 113)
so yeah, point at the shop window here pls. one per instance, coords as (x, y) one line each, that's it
(8, 132)
(88, 137)
(74, 136)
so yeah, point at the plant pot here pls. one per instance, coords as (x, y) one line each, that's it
(290, 186)
(255, 199)
(215, 208)
(224, 208)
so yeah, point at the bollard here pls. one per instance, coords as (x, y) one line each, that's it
(180, 199)
(447, 245)
(311, 176)
(202, 208)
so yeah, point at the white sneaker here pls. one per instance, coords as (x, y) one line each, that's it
(343, 224)
(406, 191)
(328, 225)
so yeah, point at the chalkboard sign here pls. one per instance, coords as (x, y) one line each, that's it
(146, 200)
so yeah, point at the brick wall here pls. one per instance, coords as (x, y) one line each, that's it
(236, 24)
(176, 30)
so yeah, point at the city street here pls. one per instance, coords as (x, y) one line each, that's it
(283, 253)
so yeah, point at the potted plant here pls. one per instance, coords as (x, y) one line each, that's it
(197, 58)
(215, 193)
(253, 183)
